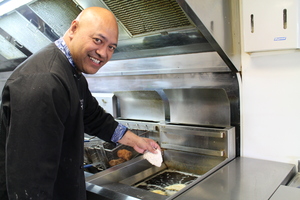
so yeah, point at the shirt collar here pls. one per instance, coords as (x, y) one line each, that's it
(61, 44)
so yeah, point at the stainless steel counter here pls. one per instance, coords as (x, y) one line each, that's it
(286, 192)
(290, 191)
(242, 179)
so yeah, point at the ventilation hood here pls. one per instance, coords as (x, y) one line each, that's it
(157, 28)
(152, 28)
(146, 28)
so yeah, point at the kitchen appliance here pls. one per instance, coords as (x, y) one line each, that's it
(194, 145)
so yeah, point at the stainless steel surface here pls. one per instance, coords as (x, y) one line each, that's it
(57, 14)
(147, 129)
(96, 192)
(207, 141)
(140, 80)
(219, 22)
(140, 105)
(152, 28)
(285, 192)
(122, 177)
(115, 179)
(158, 82)
(9, 51)
(123, 171)
(140, 125)
(187, 63)
(242, 179)
(23, 31)
(165, 30)
(200, 106)
(187, 149)
(295, 182)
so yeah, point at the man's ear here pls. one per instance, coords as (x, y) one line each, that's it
(73, 28)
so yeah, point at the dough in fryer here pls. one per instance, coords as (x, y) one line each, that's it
(116, 162)
(125, 154)
(159, 192)
(175, 187)
(154, 158)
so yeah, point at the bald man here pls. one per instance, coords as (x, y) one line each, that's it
(47, 107)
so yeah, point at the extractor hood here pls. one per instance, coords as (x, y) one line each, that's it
(146, 28)
(157, 28)
(152, 28)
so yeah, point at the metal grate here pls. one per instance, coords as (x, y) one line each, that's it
(145, 16)
(58, 14)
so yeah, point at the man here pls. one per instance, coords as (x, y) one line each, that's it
(47, 107)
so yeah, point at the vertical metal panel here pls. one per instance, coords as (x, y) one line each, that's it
(219, 22)
(9, 51)
(24, 31)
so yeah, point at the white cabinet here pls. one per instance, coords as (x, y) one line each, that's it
(107, 101)
(271, 25)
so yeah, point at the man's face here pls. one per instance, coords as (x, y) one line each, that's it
(92, 45)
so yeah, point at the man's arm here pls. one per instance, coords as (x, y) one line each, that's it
(140, 144)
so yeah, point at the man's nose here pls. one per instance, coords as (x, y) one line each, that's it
(102, 52)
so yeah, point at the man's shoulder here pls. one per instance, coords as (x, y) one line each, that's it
(48, 60)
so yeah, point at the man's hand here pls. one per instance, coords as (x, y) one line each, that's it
(140, 144)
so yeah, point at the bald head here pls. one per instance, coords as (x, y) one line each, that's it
(92, 39)
(101, 15)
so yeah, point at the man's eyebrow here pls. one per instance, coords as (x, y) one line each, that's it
(103, 37)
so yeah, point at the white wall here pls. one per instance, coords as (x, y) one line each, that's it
(271, 106)
(270, 98)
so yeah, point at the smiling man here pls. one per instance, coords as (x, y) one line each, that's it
(92, 39)
(47, 107)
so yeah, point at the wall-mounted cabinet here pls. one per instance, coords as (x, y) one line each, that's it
(271, 25)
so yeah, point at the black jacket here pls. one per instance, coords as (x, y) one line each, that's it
(46, 108)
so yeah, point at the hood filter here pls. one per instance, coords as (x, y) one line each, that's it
(144, 16)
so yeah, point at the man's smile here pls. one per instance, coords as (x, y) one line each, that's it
(95, 60)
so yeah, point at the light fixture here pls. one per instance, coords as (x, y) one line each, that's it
(11, 5)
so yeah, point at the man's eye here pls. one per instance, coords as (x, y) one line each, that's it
(97, 40)
(112, 48)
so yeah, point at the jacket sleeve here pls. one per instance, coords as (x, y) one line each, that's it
(34, 142)
(97, 122)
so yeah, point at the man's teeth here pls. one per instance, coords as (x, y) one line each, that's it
(95, 60)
